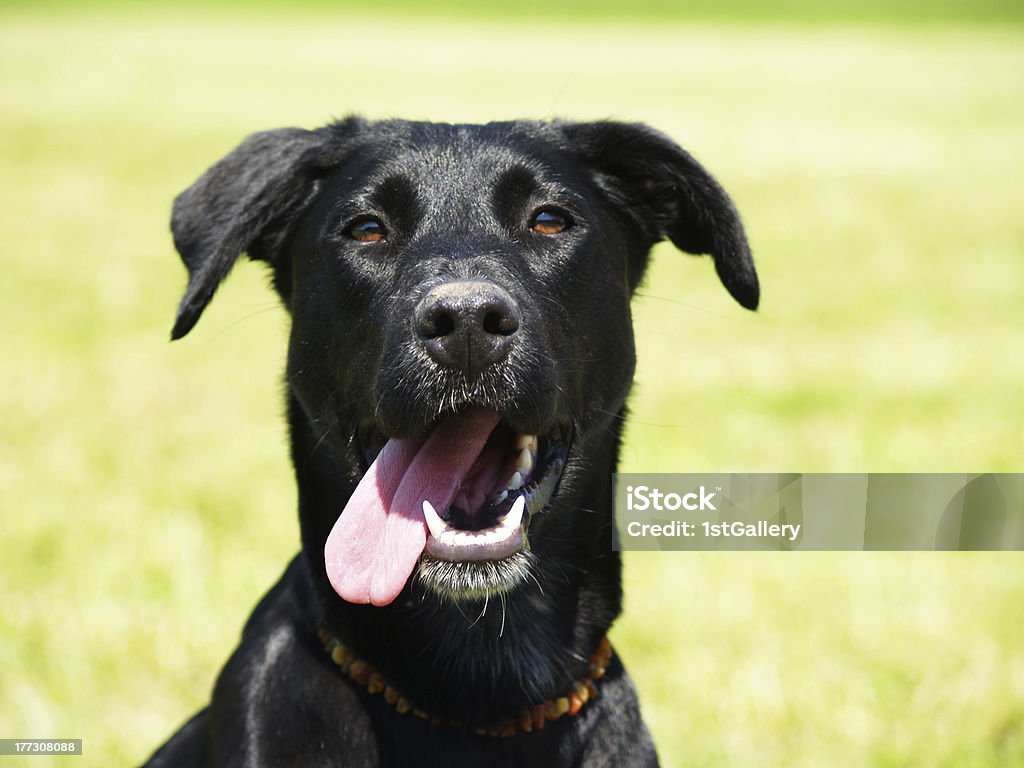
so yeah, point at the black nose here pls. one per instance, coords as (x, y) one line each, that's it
(467, 325)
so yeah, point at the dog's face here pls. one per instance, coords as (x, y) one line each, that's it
(461, 339)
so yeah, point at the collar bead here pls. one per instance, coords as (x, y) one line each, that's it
(526, 721)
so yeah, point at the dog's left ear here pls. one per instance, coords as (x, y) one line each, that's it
(243, 203)
(669, 195)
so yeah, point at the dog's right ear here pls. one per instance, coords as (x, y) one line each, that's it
(256, 190)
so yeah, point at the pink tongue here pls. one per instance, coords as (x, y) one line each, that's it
(381, 533)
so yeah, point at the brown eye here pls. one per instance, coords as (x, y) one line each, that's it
(550, 222)
(367, 230)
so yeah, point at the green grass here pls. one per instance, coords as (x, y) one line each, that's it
(147, 499)
(567, 12)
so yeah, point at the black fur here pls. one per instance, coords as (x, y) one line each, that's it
(456, 201)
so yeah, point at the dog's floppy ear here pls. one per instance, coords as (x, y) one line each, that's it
(670, 195)
(253, 191)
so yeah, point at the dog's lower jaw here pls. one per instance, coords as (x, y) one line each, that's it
(468, 581)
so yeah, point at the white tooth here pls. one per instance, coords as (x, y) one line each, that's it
(526, 441)
(434, 522)
(514, 517)
(525, 461)
(515, 482)
(499, 498)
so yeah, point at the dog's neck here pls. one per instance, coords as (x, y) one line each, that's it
(526, 720)
(488, 657)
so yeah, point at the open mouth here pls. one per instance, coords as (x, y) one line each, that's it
(463, 494)
(488, 520)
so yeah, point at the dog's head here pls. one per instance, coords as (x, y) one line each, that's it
(461, 343)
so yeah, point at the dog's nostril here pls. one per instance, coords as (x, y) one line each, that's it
(436, 325)
(501, 322)
(444, 324)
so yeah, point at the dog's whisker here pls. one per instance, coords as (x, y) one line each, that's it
(269, 307)
(533, 577)
(320, 441)
(483, 609)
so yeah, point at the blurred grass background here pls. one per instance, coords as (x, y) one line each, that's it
(875, 152)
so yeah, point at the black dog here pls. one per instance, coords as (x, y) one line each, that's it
(461, 351)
